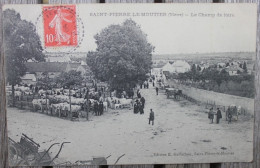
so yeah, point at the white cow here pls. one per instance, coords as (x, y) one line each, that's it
(18, 95)
(77, 100)
(126, 102)
(105, 106)
(40, 103)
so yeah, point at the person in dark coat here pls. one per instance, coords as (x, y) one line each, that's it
(139, 94)
(229, 115)
(101, 108)
(157, 89)
(96, 108)
(96, 88)
(131, 94)
(36, 89)
(153, 83)
(219, 115)
(135, 108)
(211, 115)
(141, 108)
(151, 117)
(142, 101)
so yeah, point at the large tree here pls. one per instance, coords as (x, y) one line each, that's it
(21, 43)
(69, 79)
(123, 56)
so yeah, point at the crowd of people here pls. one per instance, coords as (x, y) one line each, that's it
(98, 107)
(211, 115)
(140, 102)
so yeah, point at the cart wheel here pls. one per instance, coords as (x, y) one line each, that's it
(13, 155)
(31, 157)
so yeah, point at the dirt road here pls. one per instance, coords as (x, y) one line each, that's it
(181, 133)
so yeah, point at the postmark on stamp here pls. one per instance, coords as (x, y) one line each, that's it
(60, 26)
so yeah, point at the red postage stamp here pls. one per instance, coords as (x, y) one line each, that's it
(60, 26)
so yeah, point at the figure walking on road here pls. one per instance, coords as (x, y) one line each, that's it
(96, 108)
(135, 108)
(157, 89)
(141, 108)
(211, 115)
(142, 101)
(151, 117)
(101, 108)
(229, 116)
(219, 115)
(139, 94)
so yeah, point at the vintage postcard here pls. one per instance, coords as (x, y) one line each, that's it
(113, 84)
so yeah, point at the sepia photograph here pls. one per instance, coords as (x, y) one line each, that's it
(101, 84)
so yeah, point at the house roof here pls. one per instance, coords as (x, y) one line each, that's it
(46, 66)
(157, 65)
(63, 58)
(180, 63)
(234, 68)
(50, 66)
(29, 77)
(74, 66)
(168, 67)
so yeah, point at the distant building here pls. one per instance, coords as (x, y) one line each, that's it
(181, 66)
(84, 69)
(178, 66)
(221, 65)
(65, 57)
(40, 68)
(156, 69)
(168, 68)
(234, 70)
(37, 70)
(29, 79)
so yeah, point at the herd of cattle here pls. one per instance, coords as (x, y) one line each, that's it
(62, 102)
(58, 102)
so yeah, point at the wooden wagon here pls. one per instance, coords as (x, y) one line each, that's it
(26, 152)
(232, 111)
(173, 92)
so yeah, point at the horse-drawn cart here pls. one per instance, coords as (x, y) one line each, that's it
(26, 152)
(232, 111)
(173, 92)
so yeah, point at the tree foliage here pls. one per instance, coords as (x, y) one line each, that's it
(46, 82)
(221, 81)
(123, 55)
(69, 79)
(21, 43)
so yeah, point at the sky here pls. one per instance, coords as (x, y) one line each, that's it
(181, 28)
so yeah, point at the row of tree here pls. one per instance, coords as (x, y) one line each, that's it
(219, 81)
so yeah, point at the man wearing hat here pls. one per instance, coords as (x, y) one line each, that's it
(151, 117)
(219, 115)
